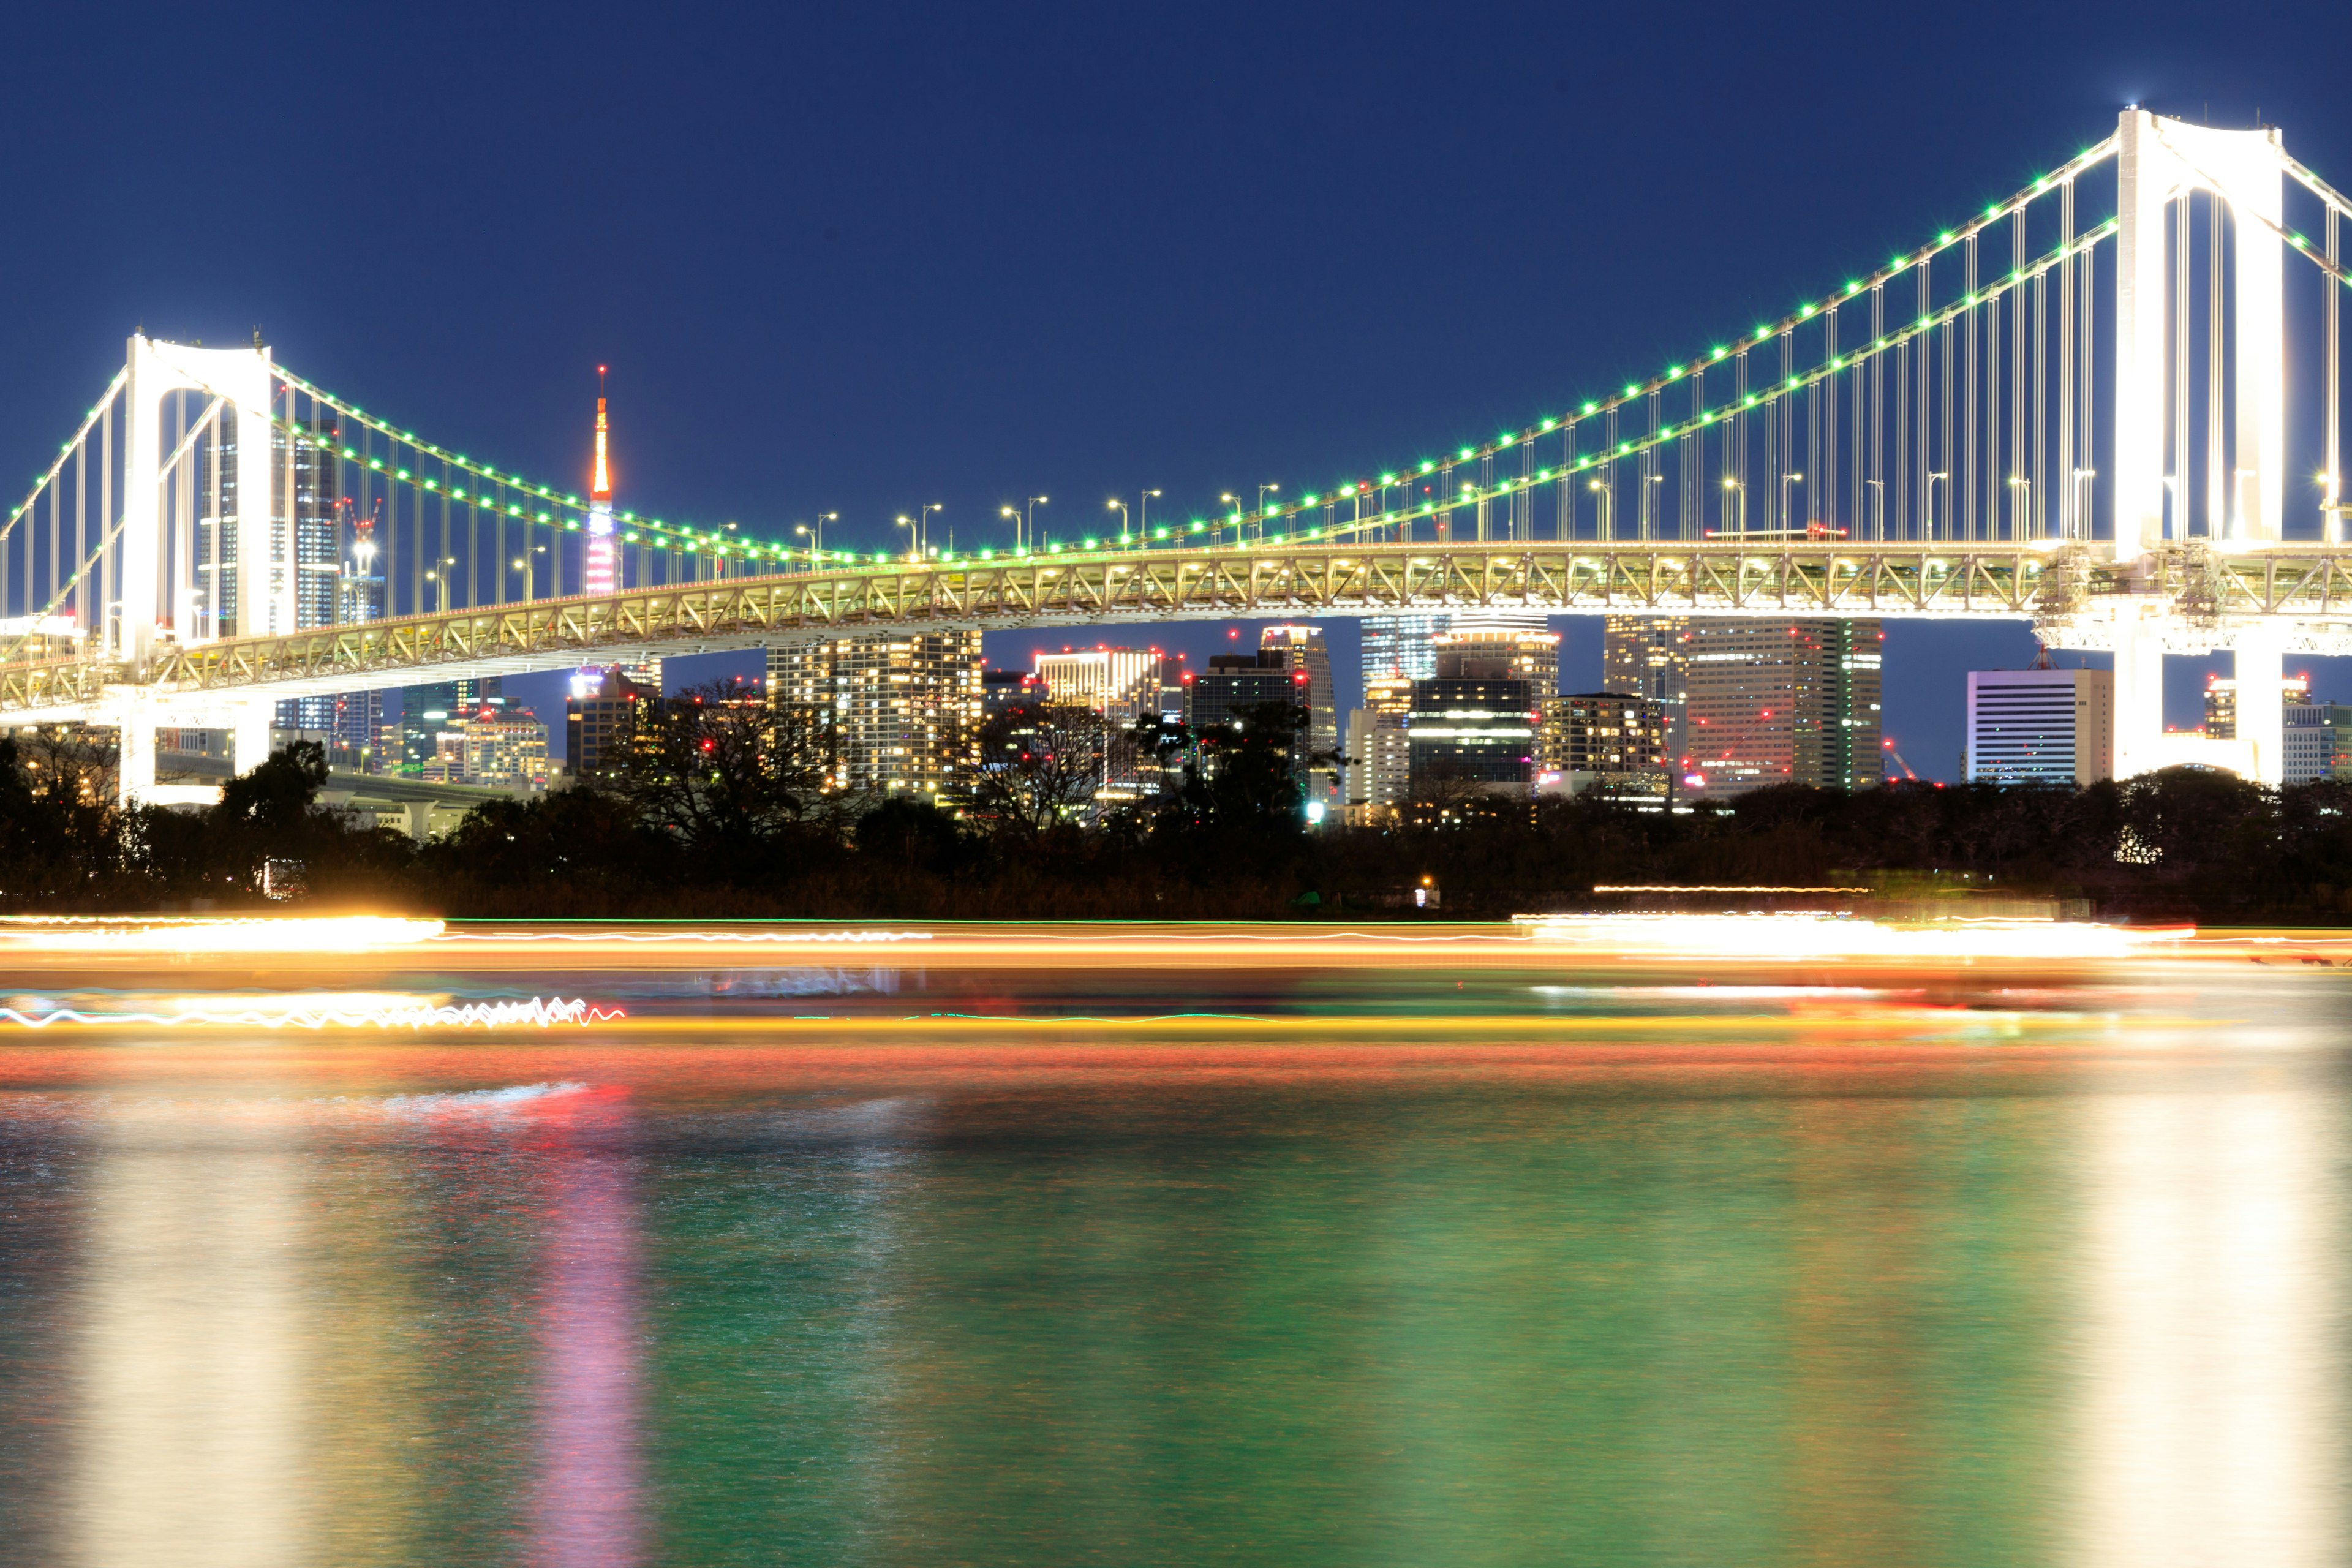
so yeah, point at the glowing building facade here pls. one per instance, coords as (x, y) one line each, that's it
(1648, 656)
(1781, 702)
(901, 710)
(2041, 726)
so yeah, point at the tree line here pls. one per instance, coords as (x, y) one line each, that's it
(716, 804)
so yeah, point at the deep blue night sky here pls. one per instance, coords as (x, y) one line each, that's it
(868, 257)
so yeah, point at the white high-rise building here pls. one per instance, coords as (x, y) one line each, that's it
(1111, 681)
(2041, 726)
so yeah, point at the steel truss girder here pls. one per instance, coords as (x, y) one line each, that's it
(2306, 582)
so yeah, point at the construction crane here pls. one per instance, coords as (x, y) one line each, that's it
(1896, 758)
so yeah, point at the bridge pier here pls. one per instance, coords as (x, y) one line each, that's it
(2262, 718)
(134, 730)
(2139, 700)
(249, 736)
(2258, 751)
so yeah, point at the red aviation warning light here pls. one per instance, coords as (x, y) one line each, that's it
(600, 483)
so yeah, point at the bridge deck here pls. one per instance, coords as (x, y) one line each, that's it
(2039, 581)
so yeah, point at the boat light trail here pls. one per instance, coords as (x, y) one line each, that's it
(332, 934)
(334, 1012)
(1816, 936)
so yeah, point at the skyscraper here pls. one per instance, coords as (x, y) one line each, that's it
(1299, 649)
(1648, 656)
(303, 540)
(901, 710)
(1112, 681)
(1611, 742)
(1776, 702)
(1404, 648)
(2041, 726)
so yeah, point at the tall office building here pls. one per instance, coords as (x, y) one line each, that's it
(2041, 726)
(1299, 649)
(1473, 726)
(1400, 647)
(1379, 762)
(1529, 653)
(2221, 703)
(1781, 702)
(1234, 683)
(1405, 647)
(307, 491)
(1609, 741)
(1118, 682)
(598, 718)
(407, 744)
(2316, 742)
(901, 710)
(1648, 656)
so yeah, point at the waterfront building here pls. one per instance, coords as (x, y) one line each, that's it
(1379, 764)
(2221, 703)
(900, 711)
(310, 492)
(1648, 656)
(1234, 683)
(1401, 647)
(2317, 743)
(1773, 702)
(503, 749)
(1300, 649)
(1610, 742)
(1404, 648)
(1117, 682)
(598, 718)
(2041, 726)
(1002, 690)
(1472, 725)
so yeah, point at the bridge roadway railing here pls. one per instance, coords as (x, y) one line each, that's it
(2042, 580)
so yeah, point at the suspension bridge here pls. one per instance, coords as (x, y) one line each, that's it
(2109, 404)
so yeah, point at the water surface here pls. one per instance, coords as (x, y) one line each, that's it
(1163, 1261)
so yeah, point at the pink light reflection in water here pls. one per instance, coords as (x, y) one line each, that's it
(585, 1508)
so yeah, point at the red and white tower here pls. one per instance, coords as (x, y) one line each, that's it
(600, 574)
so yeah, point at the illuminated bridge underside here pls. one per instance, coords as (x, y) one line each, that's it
(2303, 593)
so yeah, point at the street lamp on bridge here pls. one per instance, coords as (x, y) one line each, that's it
(1025, 521)
(815, 536)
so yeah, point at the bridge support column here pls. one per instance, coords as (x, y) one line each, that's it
(2139, 700)
(2261, 718)
(134, 730)
(249, 733)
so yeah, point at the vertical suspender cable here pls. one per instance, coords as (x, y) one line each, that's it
(79, 609)
(2179, 378)
(2039, 495)
(1734, 450)
(106, 523)
(2332, 523)
(1787, 404)
(2219, 522)
(1826, 422)
(1900, 495)
(1875, 518)
(181, 558)
(2017, 510)
(1964, 471)
(2068, 527)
